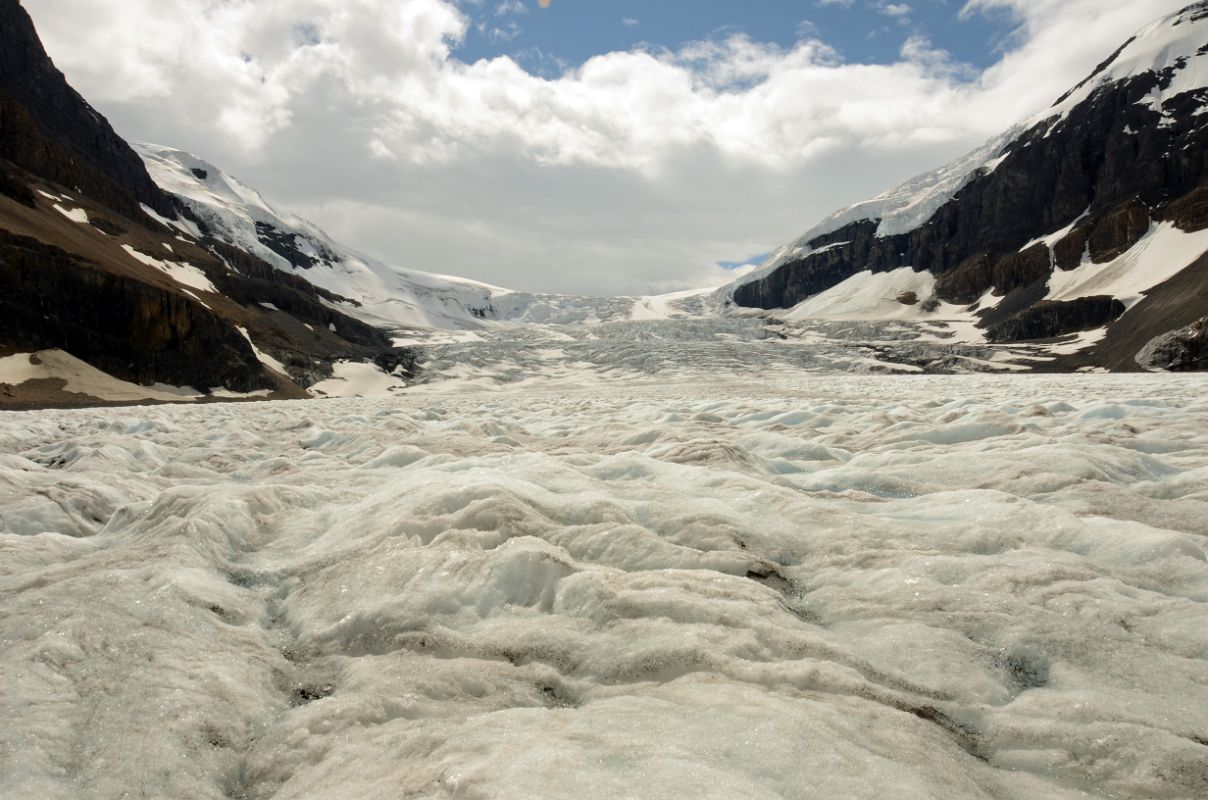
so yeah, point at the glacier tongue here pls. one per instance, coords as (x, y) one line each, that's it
(802, 586)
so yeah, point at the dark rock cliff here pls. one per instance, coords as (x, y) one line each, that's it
(123, 326)
(1047, 319)
(1050, 177)
(33, 92)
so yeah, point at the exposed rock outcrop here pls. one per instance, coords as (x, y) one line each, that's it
(123, 292)
(50, 299)
(1050, 176)
(286, 244)
(1048, 319)
(38, 94)
(1181, 350)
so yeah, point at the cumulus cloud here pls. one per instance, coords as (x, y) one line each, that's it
(634, 171)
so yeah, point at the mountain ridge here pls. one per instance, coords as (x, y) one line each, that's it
(1094, 175)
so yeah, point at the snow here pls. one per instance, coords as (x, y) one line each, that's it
(358, 379)
(901, 209)
(179, 271)
(869, 295)
(50, 196)
(800, 586)
(185, 226)
(389, 296)
(1050, 241)
(1158, 256)
(198, 299)
(1168, 42)
(988, 301)
(224, 393)
(73, 214)
(665, 306)
(667, 352)
(263, 357)
(795, 251)
(1079, 341)
(82, 378)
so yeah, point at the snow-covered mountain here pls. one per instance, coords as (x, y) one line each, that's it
(229, 210)
(1090, 217)
(381, 294)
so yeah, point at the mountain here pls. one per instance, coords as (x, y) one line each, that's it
(109, 280)
(1090, 218)
(225, 208)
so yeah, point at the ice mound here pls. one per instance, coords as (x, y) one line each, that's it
(838, 586)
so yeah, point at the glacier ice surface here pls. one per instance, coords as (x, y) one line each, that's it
(787, 586)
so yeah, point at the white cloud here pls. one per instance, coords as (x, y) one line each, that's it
(634, 171)
(895, 9)
(510, 7)
(806, 29)
(630, 22)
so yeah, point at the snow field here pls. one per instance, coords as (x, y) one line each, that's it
(830, 586)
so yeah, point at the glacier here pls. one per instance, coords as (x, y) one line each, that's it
(657, 582)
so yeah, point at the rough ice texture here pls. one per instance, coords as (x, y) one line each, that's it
(791, 587)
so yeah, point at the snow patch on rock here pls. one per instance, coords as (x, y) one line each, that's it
(1160, 255)
(179, 271)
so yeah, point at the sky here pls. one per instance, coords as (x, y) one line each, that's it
(580, 146)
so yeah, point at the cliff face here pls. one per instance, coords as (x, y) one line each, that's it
(123, 326)
(1109, 161)
(37, 93)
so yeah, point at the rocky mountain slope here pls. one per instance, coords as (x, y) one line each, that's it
(97, 261)
(1092, 216)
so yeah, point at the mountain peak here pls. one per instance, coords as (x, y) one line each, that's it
(1172, 50)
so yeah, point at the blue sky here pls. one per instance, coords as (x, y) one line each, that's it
(568, 32)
